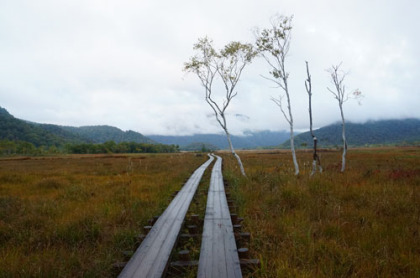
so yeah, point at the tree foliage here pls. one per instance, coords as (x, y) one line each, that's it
(123, 147)
(373, 133)
(104, 133)
(273, 44)
(39, 135)
(227, 64)
(8, 148)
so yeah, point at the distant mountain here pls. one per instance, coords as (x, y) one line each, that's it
(383, 132)
(104, 133)
(250, 140)
(204, 147)
(371, 133)
(14, 129)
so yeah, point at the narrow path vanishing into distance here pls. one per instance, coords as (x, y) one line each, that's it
(218, 253)
(151, 258)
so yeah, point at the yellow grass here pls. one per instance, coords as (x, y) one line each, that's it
(73, 215)
(362, 223)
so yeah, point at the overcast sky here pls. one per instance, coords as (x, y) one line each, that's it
(119, 63)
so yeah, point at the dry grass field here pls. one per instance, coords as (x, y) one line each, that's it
(72, 216)
(361, 223)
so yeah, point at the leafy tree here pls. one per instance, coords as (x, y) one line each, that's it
(123, 147)
(25, 148)
(7, 147)
(273, 43)
(109, 146)
(227, 64)
(53, 150)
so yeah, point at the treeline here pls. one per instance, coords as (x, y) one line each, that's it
(8, 147)
(123, 147)
(101, 134)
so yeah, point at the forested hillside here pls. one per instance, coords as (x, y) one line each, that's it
(104, 133)
(14, 129)
(250, 140)
(28, 138)
(385, 132)
(40, 135)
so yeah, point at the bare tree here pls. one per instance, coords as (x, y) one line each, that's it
(228, 64)
(340, 94)
(274, 44)
(316, 160)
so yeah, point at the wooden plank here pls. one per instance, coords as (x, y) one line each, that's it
(218, 255)
(152, 256)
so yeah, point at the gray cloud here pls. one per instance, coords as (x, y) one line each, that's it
(120, 62)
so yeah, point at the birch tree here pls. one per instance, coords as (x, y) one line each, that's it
(273, 44)
(340, 94)
(315, 161)
(228, 64)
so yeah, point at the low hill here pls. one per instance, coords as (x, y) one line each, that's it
(14, 129)
(385, 132)
(104, 133)
(250, 140)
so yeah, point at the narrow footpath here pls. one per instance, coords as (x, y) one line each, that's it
(151, 258)
(219, 255)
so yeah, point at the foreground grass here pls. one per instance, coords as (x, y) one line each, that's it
(72, 216)
(362, 223)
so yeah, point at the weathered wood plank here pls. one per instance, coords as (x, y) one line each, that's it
(151, 258)
(218, 255)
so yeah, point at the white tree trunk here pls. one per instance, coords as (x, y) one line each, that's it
(308, 85)
(343, 163)
(241, 166)
(292, 147)
(314, 162)
(313, 167)
(292, 137)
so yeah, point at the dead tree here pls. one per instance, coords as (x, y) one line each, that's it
(315, 160)
(340, 94)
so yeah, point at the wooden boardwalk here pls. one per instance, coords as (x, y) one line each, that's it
(151, 258)
(218, 255)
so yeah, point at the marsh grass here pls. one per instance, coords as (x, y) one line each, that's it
(361, 223)
(72, 216)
